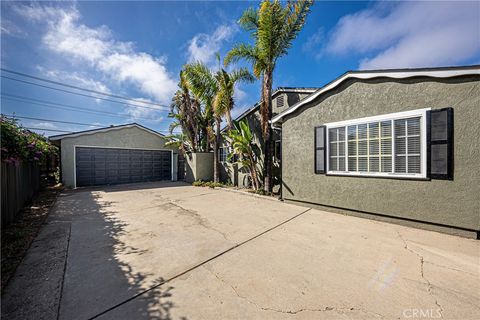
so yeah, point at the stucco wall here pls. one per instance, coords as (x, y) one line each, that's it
(199, 166)
(454, 203)
(131, 137)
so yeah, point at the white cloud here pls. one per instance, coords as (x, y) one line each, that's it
(314, 41)
(239, 95)
(409, 34)
(7, 27)
(148, 112)
(43, 125)
(76, 78)
(97, 47)
(202, 47)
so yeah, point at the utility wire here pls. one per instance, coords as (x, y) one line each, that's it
(80, 88)
(60, 121)
(55, 105)
(43, 129)
(85, 95)
(49, 120)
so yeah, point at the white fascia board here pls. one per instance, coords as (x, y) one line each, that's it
(73, 135)
(371, 75)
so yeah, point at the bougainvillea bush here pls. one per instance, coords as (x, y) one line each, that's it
(19, 144)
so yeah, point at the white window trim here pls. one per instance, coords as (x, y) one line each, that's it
(391, 116)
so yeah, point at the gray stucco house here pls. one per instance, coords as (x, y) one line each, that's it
(396, 145)
(282, 99)
(115, 154)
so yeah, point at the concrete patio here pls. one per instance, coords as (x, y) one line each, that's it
(173, 251)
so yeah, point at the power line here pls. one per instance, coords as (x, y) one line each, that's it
(61, 106)
(79, 88)
(49, 120)
(43, 129)
(60, 121)
(84, 95)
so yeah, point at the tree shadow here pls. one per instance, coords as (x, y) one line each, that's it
(96, 277)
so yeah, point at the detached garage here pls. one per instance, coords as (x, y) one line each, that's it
(113, 155)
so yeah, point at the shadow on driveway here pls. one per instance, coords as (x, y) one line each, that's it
(73, 269)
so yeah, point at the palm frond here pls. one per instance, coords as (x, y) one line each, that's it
(249, 20)
(241, 51)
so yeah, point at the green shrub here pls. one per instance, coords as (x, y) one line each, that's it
(19, 144)
(210, 184)
(198, 183)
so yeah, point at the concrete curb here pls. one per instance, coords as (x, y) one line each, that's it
(248, 194)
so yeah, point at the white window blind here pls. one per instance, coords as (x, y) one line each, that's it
(390, 145)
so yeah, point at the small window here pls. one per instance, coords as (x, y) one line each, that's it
(223, 154)
(390, 145)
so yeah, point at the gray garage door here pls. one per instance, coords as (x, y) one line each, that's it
(99, 166)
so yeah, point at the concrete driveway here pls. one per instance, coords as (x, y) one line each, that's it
(172, 251)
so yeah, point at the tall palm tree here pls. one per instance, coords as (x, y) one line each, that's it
(215, 89)
(224, 101)
(186, 113)
(273, 28)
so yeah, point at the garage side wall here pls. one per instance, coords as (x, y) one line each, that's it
(132, 137)
(452, 203)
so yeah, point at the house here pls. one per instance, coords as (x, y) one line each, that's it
(116, 154)
(396, 145)
(282, 99)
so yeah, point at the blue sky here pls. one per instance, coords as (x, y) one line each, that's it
(137, 49)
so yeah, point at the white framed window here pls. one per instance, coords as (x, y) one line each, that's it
(391, 145)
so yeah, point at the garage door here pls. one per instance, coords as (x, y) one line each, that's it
(100, 166)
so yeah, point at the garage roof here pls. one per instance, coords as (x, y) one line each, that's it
(81, 133)
(443, 72)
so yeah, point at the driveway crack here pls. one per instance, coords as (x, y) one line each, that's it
(430, 286)
(199, 220)
(287, 311)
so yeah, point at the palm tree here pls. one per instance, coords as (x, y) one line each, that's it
(215, 89)
(273, 28)
(187, 112)
(241, 140)
(179, 141)
(224, 101)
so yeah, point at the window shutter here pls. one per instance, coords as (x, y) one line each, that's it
(320, 154)
(440, 155)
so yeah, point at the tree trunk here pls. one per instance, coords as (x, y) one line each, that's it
(253, 173)
(228, 115)
(216, 164)
(267, 132)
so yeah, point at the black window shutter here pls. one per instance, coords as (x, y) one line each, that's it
(320, 154)
(440, 144)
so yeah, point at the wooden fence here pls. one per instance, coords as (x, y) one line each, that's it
(19, 185)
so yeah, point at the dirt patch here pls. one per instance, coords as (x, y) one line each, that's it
(17, 237)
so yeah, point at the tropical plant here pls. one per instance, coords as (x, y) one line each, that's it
(179, 141)
(19, 144)
(224, 101)
(187, 114)
(273, 27)
(243, 146)
(215, 89)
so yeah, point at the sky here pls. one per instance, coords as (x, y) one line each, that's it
(137, 49)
